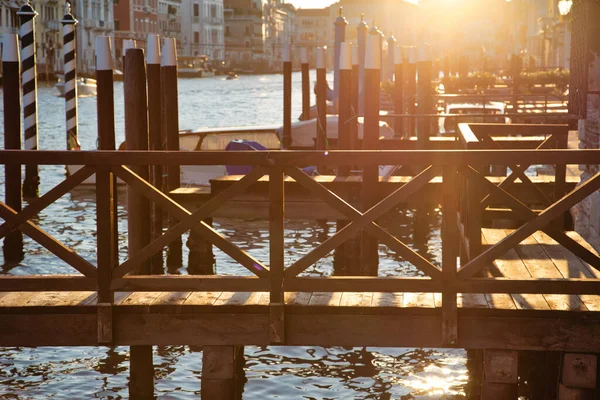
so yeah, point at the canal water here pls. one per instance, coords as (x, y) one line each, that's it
(271, 372)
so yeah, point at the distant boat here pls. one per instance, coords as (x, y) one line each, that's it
(85, 87)
(231, 75)
(194, 67)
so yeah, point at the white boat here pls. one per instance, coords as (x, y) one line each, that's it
(194, 67)
(490, 112)
(303, 137)
(85, 87)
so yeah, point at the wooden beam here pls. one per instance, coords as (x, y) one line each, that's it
(41, 283)
(182, 283)
(362, 284)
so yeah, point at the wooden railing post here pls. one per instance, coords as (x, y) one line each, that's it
(449, 255)
(398, 93)
(277, 255)
(355, 95)
(425, 99)
(410, 90)
(170, 121)
(13, 243)
(106, 214)
(141, 383)
(560, 186)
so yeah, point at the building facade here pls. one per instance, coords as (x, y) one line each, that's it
(169, 19)
(95, 18)
(245, 33)
(314, 28)
(134, 19)
(203, 29)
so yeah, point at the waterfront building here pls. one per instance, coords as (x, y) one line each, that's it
(169, 19)
(314, 29)
(203, 29)
(95, 18)
(134, 19)
(245, 33)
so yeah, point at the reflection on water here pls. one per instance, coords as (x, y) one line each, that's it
(272, 372)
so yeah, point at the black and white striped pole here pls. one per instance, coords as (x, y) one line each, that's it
(29, 81)
(70, 68)
(13, 242)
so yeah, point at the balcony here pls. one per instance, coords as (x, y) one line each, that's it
(216, 20)
(97, 25)
(52, 25)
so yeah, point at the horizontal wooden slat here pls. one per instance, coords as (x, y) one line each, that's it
(39, 283)
(362, 284)
(334, 157)
(183, 283)
(533, 285)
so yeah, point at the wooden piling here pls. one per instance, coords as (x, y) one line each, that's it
(361, 38)
(398, 92)
(321, 142)
(141, 384)
(13, 243)
(424, 95)
(339, 38)
(354, 94)
(170, 123)
(304, 66)
(500, 376)
(391, 58)
(410, 90)
(286, 140)
(105, 181)
(127, 44)
(155, 139)
(370, 179)
(222, 372)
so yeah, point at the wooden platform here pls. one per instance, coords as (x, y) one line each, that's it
(301, 204)
(500, 321)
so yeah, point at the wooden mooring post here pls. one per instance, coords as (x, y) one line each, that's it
(141, 384)
(170, 123)
(410, 90)
(304, 67)
(345, 260)
(424, 95)
(286, 140)
(155, 139)
(361, 39)
(355, 96)
(398, 92)
(321, 142)
(13, 243)
(370, 178)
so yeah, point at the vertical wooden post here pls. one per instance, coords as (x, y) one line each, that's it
(222, 372)
(170, 121)
(13, 242)
(321, 142)
(425, 99)
(391, 59)
(370, 180)
(341, 263)
(339, 37)
(398, 93)
(410, 90)
(500, 375)
(27, 15)
(286, 140)
(361, 38)
(69, 24)
(449, 255)
(105, 101)
(355, 98)
(127, 44)
(304, 66)
(277, 255)
(155, 139)
(136, 135)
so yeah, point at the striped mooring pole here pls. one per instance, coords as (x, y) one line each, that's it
(68, 28)
(27, 15)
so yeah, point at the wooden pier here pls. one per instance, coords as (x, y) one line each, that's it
(536, 287)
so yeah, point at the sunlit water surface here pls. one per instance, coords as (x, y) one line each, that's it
(272, 372)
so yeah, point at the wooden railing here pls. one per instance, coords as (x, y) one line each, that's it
(109, 275)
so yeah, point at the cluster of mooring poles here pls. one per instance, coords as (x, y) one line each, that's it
(359, 70)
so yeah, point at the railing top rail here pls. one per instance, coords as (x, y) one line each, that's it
(293, 158)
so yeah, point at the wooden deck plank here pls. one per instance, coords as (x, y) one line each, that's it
(120, 297)
(569, 265)
(72, 298)
(297, 298)
(387, 300)
(202, 298)
(501, 301)
(171, 298)
(510, 265)
(577, 237)
(356, 299)
(331, 299)
(422, 300)
(141, 298)
(17, 299)
(540, 265)
(45, 299)
(472, 300)
(223, 298)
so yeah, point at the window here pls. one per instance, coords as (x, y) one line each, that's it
(196, 37)
(196, 10)
(117, 25)
(227, 31)
(213, 11)
(247, 30)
